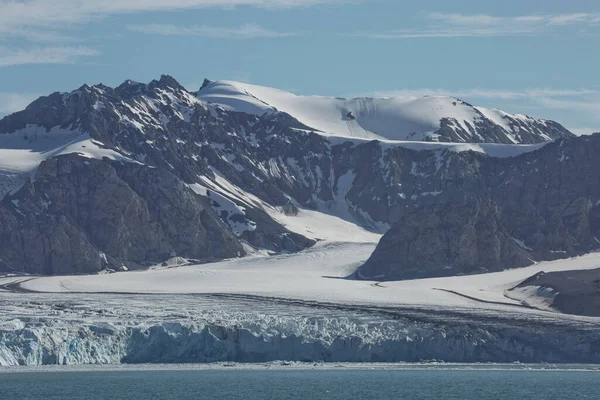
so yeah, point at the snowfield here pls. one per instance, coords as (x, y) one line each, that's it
(22, 152)
(321, 274)
(293, 307)
(324, 273)
(297, 307)
(395, 118)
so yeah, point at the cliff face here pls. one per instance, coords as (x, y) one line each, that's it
(446, 239)
(499, 213)
(202, 329)
(87, 215)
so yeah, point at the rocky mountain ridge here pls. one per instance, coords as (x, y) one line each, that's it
(499, 213)
(140, 173)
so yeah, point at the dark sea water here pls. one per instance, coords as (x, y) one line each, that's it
(301, 384)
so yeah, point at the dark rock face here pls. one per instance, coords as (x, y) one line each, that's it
(445, 240)
(550, 197)
(486, 131)
(538, 206)
(574, 292)
(85, 215)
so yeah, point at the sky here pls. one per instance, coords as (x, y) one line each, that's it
(535, 57)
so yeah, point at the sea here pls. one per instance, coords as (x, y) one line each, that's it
(316, 383)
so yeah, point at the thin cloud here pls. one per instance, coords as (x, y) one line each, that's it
(440, 25)
(584, 131)
(35, 35)
(43, 55)
(55, 14)
(589, 105)
(47, 20)
(246, 31)
(13, 102)
(486, 93)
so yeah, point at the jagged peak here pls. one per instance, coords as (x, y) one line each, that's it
(426, 118)
(206, 83)
(102, 86)
(167, 81)
(56, 96)
(130, 88)
(98, 89)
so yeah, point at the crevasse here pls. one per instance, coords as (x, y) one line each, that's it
(295, 338)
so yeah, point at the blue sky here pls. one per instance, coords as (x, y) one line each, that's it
(538, 57)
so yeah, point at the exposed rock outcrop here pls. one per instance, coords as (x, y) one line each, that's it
(444, 240)
(84, 215)
(570, 292)
(491, 214)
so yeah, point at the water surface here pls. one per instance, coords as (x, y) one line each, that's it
(327, 384)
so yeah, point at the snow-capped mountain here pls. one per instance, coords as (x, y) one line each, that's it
(429, 118)
(271, 229)
(118, 178)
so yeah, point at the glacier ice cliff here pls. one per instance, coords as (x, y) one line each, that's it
(195, 329)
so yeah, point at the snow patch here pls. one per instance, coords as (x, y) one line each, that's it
(535, 296)
(23, 151)
(521, 244)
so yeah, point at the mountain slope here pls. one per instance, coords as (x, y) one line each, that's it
(101, 178)
(496, 213)
(430, 118)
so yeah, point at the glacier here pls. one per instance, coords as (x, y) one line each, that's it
(70, 329)
(290, 307)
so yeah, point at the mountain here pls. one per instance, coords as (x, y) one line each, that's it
(497, 213)
(102, 178)
(429, 118)
(121, 178)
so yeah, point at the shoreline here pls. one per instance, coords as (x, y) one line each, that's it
(300, 366)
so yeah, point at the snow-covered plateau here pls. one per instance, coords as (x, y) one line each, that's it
(429, 118)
